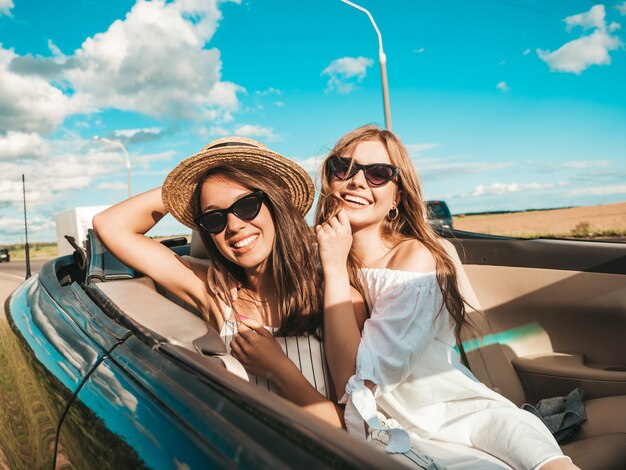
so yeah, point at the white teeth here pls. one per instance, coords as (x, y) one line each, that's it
(245, 241)
(358, 200)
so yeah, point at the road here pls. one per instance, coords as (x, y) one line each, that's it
(18, 267)
(12, 275)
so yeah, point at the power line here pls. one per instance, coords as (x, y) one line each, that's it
(610, 5)
(554, 15)
(529, 8)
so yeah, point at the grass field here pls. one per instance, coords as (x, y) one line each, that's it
(48, 250)
(607, 220)
(37, 250)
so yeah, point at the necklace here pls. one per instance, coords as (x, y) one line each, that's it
(256, 308)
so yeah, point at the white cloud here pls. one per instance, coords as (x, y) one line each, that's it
(419, 51)
(269, 91)
(28, 103)
(593, 49)
(5, 7)
(68, 166)
(147, 134)
(526, 51)
(130, 133)
(599, 190)
(16, 145)
(621, 8)
(503, 188)
(13, 226)
(582, 164)
(217, 130)
(251, 130)
(419, 148)
(345, 72)
(594, 18)
(155, 61)
(145, 160)
(311, 164)
(502, 86)
(432, 168)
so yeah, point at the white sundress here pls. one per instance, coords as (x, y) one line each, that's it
(305, 351)
(430, 399)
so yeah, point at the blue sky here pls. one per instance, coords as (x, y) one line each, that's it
(504, 104)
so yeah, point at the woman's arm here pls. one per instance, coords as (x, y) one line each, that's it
(344, 308)
(261, 355)
(122, 229)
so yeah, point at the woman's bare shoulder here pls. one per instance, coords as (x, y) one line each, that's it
(413, 256)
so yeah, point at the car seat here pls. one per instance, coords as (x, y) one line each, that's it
(600, 444)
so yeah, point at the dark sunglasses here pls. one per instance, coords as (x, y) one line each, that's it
(246, 208)
(376, 174)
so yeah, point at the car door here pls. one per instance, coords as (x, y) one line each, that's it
(51, 347)
(557, 308)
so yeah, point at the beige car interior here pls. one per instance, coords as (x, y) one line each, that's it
(527, 343)
(526, 359)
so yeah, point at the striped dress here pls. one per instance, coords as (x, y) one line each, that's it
(305, 351)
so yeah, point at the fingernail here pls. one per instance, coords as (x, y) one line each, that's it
(241, 317)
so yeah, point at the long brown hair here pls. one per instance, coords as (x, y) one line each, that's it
(411, 222)
(292, 260)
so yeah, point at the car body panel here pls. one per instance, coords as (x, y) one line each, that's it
(57, 355)
(122, 399)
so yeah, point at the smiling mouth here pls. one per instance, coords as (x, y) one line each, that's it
(245, 242)
(356, 200)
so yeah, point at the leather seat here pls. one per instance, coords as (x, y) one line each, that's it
(600, 443)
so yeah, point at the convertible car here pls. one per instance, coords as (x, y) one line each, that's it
(101, 368)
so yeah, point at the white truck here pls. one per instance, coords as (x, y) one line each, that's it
(74, 222)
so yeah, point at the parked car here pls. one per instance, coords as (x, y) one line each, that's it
(5, 255)
(439, 214)
(100, 369)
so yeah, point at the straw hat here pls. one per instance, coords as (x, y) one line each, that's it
(180, 184)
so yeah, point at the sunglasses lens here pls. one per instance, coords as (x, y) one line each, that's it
(248, 207)
(340, 168)
(213, 222)
(379, 174)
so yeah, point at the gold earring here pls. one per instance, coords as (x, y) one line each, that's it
(395, 215)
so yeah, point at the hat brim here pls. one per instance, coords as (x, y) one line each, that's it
(179, 186)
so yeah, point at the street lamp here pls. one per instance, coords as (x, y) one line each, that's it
(382, 58)
(119, 144)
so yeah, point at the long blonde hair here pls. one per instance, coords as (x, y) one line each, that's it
(411, 222)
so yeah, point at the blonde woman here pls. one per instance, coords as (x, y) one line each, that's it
(402, 378)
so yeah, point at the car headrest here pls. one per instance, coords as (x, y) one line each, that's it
(197, 249)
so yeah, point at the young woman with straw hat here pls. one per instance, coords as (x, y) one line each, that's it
(248, 204)
(408, 385)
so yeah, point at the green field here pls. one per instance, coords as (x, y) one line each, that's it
(37, 250)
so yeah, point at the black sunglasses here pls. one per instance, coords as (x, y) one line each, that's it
(246, 208)
(376, 174)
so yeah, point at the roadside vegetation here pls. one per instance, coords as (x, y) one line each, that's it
(582, 231)
(37, 250)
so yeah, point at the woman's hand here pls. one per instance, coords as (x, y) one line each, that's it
(258, 350)
(335, 240)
